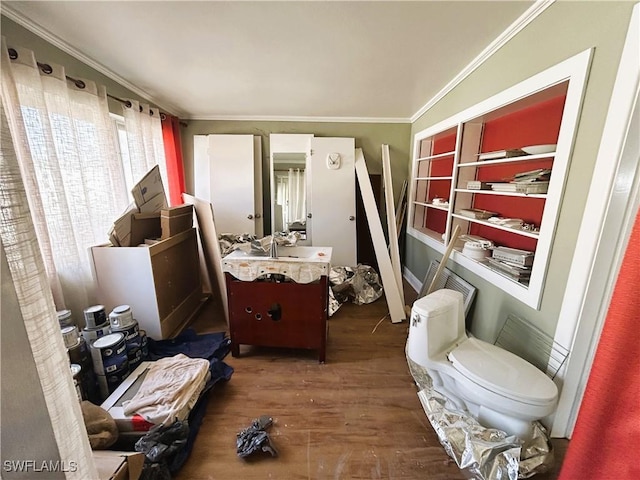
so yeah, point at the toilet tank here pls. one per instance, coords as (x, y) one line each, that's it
(443, 315)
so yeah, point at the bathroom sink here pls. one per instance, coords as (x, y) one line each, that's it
(303, 264)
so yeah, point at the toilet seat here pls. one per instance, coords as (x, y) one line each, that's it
(503, 372)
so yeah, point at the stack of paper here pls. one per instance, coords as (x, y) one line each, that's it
(533, 181)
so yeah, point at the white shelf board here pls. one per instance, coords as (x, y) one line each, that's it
(524, 233)
(434, 178)
(428, 236)
(506, 194)
(523, 158)
(439, 156)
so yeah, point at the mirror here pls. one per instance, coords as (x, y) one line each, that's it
(290, 193)
(289, 180)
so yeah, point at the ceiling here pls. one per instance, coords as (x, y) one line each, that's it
(358, 60)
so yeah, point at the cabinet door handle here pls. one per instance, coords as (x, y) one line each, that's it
(308, 215)
(352, 218)
(258, 215)
(250, 217)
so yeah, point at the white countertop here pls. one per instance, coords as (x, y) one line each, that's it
(300, 263)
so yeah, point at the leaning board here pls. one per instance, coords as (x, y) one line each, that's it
(391, 292)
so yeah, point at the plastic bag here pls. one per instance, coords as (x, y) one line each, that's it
(254, 438)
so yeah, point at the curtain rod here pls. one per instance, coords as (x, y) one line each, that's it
(47, 69)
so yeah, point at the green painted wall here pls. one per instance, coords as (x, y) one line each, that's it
(561, 31)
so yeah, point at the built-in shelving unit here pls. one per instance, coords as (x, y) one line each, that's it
(507, 157)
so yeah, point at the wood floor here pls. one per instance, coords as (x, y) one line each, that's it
(355, 417)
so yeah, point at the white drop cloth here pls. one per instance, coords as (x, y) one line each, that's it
(169, 390)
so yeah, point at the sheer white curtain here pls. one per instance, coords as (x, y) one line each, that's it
(65, 146)
(144, 138)
(297, 195)
(61, 428)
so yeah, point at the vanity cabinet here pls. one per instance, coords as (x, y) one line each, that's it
(497, 171)
(278, 314)
(280, 302)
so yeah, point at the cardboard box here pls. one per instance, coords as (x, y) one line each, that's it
(148, 187)
(122, 226)
(176, 220)
(143, 226)
(114, 465)
(155, 204)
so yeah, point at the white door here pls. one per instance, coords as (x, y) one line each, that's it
(332, 198)
(228, 174)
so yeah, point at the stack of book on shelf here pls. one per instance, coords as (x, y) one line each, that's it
(533, 181)
(476, 213)
(512, 262)
(478, 185)
(514, 152)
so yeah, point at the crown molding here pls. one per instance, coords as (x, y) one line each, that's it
(285, 118)
(521, 22)
(57, 42)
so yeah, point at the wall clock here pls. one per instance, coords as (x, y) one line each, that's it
(333, 161)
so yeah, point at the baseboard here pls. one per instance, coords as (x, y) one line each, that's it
(411, 279)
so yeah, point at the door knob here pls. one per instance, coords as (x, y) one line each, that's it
(250, 217)
(352, 218)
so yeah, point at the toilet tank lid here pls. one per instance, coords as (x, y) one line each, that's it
(437, 302)
(503, 372)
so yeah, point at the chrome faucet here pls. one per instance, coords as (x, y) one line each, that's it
(273, 251)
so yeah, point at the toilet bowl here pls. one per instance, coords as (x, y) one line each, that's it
(498, 388)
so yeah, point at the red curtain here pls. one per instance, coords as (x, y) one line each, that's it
(173, 154)
(607, 431)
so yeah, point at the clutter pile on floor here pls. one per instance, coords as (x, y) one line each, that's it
(481, 453)
(159, 410)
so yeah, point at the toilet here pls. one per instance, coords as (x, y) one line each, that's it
(498, 388)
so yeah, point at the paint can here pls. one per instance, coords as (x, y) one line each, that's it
(94, 316)
(92, 334)
(70, 336)
(76, 374)
(79, 353)
(108, 383)
(121, 317)
(132, 341)
(109, 354)
(144, 345)
(134, 357)
(65, 319)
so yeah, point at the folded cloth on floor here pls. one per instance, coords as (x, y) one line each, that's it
(169, 390)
